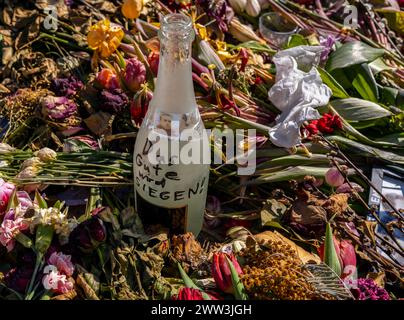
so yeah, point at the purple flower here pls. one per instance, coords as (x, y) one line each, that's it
(113, 101)
(346, 188)
(135, 74)
(328, 42)
(218, 10)
(67, 87)
(367, 289)
(58, 108)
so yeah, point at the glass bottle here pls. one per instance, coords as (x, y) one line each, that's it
(172, 154)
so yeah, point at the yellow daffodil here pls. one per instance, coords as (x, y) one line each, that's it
(105, 38)
(131, 8)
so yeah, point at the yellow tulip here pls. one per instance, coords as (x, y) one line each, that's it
(131, 8)
(105, 38)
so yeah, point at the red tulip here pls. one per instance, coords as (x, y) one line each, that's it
(346, 256)
(221, 271)
(190, 294)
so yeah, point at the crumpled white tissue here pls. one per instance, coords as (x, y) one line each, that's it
(296, 93)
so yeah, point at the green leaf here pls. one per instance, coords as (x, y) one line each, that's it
(379, 65)
(330, 254)
(396, 138)
(365, 83)
(239, 291)
(41, 201)
(296, 40)
(43, 239)
(337, 90)
(13, 202)
(352, 53)
(189, 283)
(353, 109)
(23, 239)
(388, 95)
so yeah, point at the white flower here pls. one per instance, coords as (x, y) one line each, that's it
(5, 148)
(46, 154)
(34, 162)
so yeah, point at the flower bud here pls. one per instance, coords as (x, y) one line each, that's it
(58, 108)
(107, 79)
(134, 74)
(253, 8)
(46, 155)
(153, 59)
(131, 8)
(334, 178)
(139, 106)
(221, 271)
(6, 190)
(238, 5)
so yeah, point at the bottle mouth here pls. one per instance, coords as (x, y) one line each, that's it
(176, 25)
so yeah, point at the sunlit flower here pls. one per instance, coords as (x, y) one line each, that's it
(5, 148)
(105, 38)
(334, 178)
(108, 79)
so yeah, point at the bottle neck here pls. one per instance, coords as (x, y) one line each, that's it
(174, 91)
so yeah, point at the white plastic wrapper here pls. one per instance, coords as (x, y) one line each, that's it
(296, 93)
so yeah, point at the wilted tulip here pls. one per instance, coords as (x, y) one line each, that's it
(31, 162)
(131, 8)
(67, 87)
(113, 101)
(58, 108)
(139, 106)
(134, 74)
(334, 178)
(221, 271)
(24, 201)
(107, 79)
(153, 59)
(6, 190)
(6, 148)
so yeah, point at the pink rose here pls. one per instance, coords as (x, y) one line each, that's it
(62, 262)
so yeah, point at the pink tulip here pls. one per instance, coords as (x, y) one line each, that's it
(190, 294)
(221, 271)
(135, 74)
(346, 256)
(62, 262)
(334, 178)
(346, 188)
(6, 190)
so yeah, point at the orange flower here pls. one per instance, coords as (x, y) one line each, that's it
(105, 38)
(131, 8)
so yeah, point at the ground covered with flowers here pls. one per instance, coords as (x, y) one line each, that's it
(74, 90)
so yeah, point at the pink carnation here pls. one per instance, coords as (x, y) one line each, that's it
(62, 262)
(9, 229)
(55, 281)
